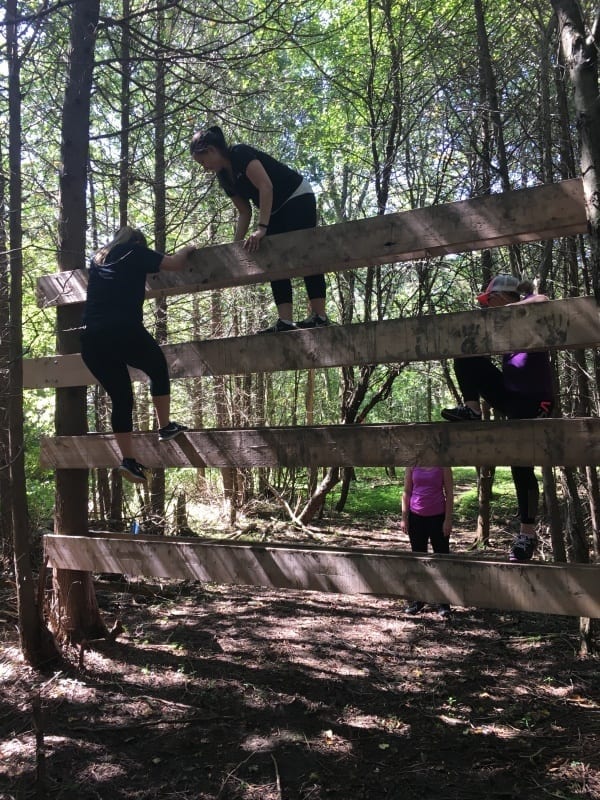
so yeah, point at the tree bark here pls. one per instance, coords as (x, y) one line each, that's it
(37, 644)
(580, 51)
(76, 615)
(579, 48)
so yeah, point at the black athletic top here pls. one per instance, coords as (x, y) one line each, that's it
(285, 180)
(116, 289)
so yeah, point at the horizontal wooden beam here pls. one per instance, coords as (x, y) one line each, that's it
(564, 324)
(544, 442)
(572, 589)
(541, 212)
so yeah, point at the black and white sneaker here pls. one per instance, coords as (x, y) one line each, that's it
(414, 607)
(170, 431)
(133, 471)
(460, 414)
(314, 321)
(281, 326)
(523, 548)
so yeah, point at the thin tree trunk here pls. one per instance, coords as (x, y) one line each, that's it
(37, 644)
(5, 513)
(555, 519)
(157, 484)
(580, 51)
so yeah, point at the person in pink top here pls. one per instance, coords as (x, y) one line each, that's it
(427, 504)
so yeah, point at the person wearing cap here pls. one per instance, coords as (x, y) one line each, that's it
(521, 389)
(285, 202)
(114, 337)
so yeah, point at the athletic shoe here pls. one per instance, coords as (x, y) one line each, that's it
(414, 607)
(170, 431)
(133, 471)
(545, 409)
(523, 548)
(281, 326)
(314, 321)
(460, 414)
(443, 610)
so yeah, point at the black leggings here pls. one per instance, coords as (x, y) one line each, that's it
(479, 377)
(422, 530)
(296, 215)
(107, 354)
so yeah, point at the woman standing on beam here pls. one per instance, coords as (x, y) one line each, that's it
(115, 338)
(285, 202)
(521, 390)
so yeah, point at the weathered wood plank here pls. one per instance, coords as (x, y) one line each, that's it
(541, 212)
(559, 324)
(569, 442)
(572, 589)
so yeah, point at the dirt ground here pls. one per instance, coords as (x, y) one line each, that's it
(242, 693)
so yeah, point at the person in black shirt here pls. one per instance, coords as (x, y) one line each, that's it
(285, 202)
(114, 336)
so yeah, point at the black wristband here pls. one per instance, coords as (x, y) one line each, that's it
(262, 225)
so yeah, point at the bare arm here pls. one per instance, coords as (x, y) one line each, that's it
(244, 217)
(178, 260)
(408, 485)
(256, 174)
(533, 298)
(449, 494)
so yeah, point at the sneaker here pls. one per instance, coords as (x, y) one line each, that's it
(314, 321)
(523, 548)
(544, 409)
(281, 326)
(170, 431)
(460, 414)
(414, 607)
(133, 471)
(443, 610)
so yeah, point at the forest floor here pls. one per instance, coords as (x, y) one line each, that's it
(237, 693)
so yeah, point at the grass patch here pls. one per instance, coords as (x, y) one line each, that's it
(374, 493)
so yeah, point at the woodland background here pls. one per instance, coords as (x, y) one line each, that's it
(242, 693)
(384, 106)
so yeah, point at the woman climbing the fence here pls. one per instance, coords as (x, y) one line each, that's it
(522, 389)
(115, 337)
(285, 202)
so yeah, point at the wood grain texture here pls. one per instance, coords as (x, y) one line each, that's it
(558, 324)
(572, 589)
(541, 212)
(543, 442)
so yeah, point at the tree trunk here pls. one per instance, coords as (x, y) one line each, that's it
(555, 520)
(5, 513)
(157, 484)
(485, 483)
(578, 550)
(76, 615)
(580, 52)
(37, 644)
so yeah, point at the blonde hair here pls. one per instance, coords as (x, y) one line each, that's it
(125, 235)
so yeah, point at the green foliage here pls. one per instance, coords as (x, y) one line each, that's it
(39, 416)
(375, 494)
(348, 92)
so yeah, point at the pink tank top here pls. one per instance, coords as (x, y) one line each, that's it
(428, 498)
